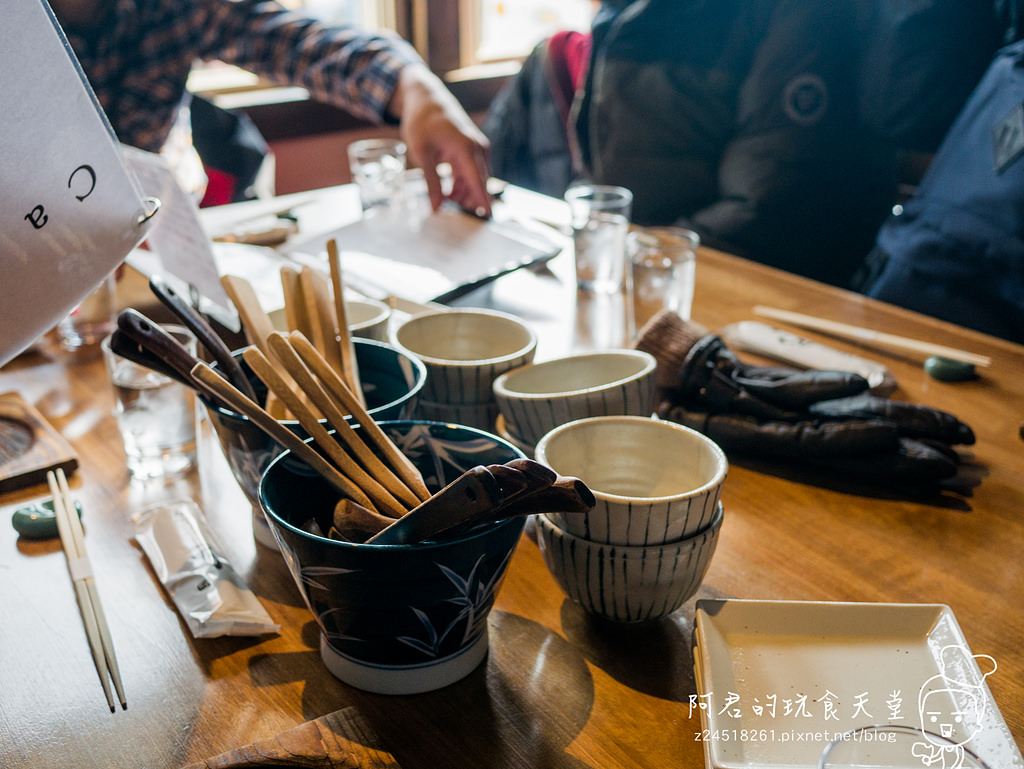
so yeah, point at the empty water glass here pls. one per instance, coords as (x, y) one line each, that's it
(600, 222)
(664, 264)
(378, 168)
(93, 319)
(155, 414)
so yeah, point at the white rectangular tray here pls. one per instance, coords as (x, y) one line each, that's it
(776, 680)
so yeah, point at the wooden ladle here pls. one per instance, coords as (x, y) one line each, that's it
(481, 494)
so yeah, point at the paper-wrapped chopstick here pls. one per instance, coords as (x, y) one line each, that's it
(72, 539)
(871, 337)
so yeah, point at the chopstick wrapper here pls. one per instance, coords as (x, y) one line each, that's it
(210, 595)
(339, 740)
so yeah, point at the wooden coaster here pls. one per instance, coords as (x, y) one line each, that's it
(29, 445)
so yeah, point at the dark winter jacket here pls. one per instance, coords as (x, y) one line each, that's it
(738, 118)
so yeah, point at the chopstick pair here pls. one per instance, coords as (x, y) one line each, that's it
(73, 541)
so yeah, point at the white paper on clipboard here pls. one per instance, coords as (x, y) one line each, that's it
(429, 256)
(70, 211)
(179, 249)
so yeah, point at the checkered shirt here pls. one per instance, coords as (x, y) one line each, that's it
(138, 58)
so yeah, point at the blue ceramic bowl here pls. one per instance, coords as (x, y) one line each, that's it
(396, 619)
(391, 382)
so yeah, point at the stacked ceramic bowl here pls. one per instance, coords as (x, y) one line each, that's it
(536, 398)
(644, 549)
(367, 319)
(464, 351)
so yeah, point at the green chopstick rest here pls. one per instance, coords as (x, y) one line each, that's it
(38, 521)
(948, 370)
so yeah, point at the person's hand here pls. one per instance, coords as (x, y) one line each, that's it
(437, 130)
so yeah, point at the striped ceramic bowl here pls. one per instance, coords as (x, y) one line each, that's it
(654, 481)
(536, 398)
(628, 584)
(464, 351)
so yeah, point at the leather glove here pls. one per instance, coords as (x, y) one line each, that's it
(822, 418)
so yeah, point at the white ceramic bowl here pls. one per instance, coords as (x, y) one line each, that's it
(627, 584)
(465, 351)
(654, 481)
(367, 319)
(536, 398)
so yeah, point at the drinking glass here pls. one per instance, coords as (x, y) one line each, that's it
(378, 168)
(91, 320)
(663, 261)
(155, 415)
(600, 222)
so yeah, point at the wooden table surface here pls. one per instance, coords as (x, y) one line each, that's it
(557, 689)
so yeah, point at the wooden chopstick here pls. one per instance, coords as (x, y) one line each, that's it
(399, 463)
(256, 323)
(384, 500)
(871, 337)
(237, 401)
(296, 313)
(72, 539)
(346, 350)
(369, 461)
(316, 293)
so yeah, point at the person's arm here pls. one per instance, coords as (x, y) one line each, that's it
(374, 75)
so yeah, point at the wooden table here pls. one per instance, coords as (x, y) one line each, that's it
(557, 690)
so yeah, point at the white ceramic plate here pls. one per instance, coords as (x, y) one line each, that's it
(777, 680)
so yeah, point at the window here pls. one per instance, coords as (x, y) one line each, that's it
(449, 34)
(508, 29)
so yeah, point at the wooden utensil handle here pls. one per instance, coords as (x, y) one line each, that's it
(204, 332)
(275, 429)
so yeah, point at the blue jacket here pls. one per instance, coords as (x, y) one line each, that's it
(956, 251)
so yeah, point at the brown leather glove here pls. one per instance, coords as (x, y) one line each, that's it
(821, 418)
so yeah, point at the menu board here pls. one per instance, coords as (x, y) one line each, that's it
(70, 210)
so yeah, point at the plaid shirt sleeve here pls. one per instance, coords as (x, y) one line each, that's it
(348, 67)
(138, 59)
